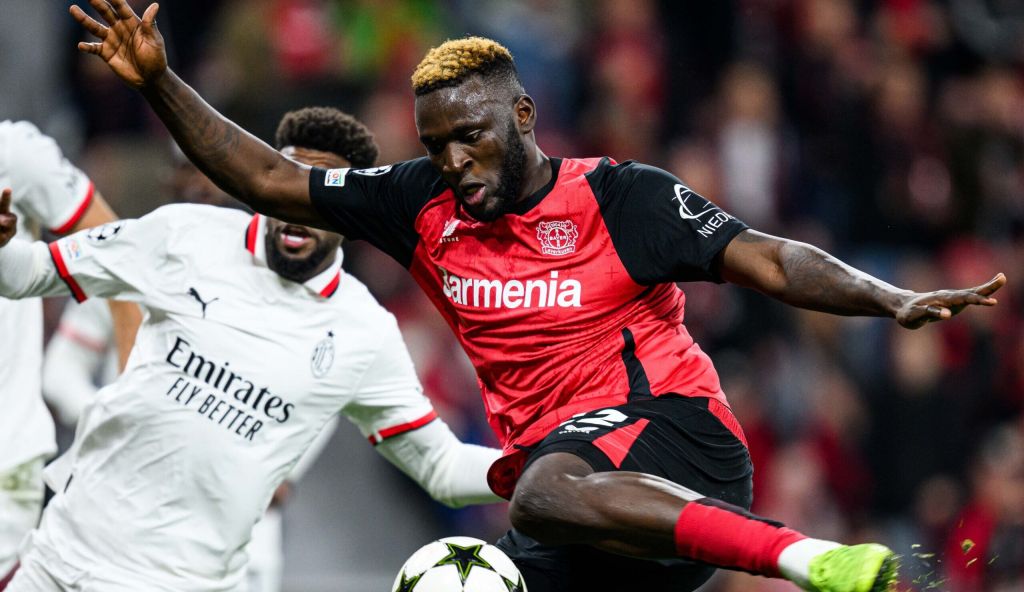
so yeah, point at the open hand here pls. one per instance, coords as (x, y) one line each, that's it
(8, 220)
(943, 304)
(132, 47)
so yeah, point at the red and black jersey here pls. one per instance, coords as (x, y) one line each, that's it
(564, 305)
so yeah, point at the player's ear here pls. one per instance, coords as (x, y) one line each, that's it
(526, 113)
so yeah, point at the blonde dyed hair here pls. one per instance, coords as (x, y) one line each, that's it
(456, 59)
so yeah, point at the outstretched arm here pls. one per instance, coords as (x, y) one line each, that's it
(452, 472)
(238, 162)
(126, 315)
(25, 268)
(805, 276)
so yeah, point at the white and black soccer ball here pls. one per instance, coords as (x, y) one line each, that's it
(459, 564)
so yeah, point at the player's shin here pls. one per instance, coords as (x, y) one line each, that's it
(728, 536)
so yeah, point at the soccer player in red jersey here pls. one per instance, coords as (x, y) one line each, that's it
(625, 467)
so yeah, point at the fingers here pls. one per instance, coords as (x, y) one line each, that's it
(88, 22)
(937, 313)
(93, 48)
(992, 285)
(149, 17)
(123, 10)
(959, 299)
(8, 221)
(972, 297)
(104, 10)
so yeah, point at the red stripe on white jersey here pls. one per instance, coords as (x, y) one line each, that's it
(250, 234)
(62, 271)
(398, 430)
(332, 287)
(10, 576)
(79, 212)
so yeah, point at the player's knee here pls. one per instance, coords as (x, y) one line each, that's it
(531, 510)
(534, 512)
(544, 499)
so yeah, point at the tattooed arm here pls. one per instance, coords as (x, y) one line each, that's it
(805, 276)
(238, 162)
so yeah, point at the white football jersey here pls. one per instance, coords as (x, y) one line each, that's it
(48, 192)
(235, 371)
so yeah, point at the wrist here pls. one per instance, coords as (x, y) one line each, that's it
(897, 300)
(158, 84)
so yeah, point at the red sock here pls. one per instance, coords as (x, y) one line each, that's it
(728, 536)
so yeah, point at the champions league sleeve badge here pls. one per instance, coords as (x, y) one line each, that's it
(106, 233)
(557, 238)
(373, 172)
(323, 356)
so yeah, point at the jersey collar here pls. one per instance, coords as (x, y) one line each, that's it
(324, 284)
(538, 196)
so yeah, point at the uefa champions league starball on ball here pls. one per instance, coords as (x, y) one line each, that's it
(459, 564)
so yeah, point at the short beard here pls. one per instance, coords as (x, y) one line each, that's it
(510, 179)
(294, 269)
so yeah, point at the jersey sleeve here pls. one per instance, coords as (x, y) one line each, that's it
(452, 472)
(119, 260)
(662, 230)
(47, 187)
(389, 399)
(378, 205)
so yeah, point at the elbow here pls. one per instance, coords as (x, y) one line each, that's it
(273, 191)
(775, 279)
(258, 192)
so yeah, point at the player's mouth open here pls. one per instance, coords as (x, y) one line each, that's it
(294, 237)
(473, 194)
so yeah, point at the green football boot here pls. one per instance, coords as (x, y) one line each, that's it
(856, 568)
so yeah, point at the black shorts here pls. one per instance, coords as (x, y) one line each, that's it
(670, 436)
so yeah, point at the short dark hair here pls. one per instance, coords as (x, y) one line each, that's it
(329, 130)
(455, 60)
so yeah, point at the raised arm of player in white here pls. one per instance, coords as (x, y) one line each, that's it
(51, 191)
(391, 411)
(26, 271)
(452, 472)
(111, 261)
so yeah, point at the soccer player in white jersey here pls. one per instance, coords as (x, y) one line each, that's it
(81, 349)
(81, 355)
(49, 193)
(253, 338)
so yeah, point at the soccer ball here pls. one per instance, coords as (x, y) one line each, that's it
(459, 564)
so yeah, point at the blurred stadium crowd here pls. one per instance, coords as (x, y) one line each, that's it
(890, 133)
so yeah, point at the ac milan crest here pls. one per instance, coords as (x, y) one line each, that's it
(323, 356)
(557, 238)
